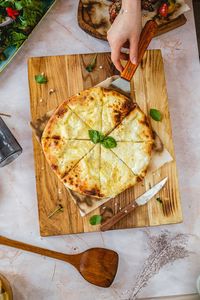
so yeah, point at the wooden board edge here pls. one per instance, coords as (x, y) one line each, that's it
(173, 24)
(164, 28)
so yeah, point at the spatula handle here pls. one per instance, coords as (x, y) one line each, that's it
(148, 32)
(72, 259)
(120, 215)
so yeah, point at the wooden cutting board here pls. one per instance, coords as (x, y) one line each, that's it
(85, 23)
(67, 75)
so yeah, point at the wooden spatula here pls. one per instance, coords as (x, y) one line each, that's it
(97, 265)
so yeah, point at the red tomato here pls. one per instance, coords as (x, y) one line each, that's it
(163, 10)
(12, 13)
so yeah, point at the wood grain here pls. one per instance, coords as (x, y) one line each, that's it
(90, 28)
(67, 75)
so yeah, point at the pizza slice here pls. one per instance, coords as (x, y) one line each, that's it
(134, 127)
(84, 177)
(115, 107)
(87, 105)
(62, 155)
(135, 155)
(115, 176)
(65, 124)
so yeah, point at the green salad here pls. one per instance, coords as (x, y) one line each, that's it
(17, 20)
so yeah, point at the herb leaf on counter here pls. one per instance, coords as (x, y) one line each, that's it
(155, 114)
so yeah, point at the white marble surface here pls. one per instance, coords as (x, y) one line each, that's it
(34, 277)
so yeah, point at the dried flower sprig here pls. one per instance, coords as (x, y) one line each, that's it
(165, 249)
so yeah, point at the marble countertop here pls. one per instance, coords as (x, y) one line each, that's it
(36, 277)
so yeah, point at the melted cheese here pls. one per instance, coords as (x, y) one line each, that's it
(115, 108)
(67, 126)
(64, 154)
(135, 155)
(88, 106)
(133, 128)
(84, 177)
(115, 176)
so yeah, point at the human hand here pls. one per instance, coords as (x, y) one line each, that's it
(126, 28)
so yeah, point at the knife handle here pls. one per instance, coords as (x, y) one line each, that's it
(120, 215)
(148, 32)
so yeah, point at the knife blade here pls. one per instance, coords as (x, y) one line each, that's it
(141, 200)
(123, 82)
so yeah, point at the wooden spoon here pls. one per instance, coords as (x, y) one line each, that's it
(97, 265)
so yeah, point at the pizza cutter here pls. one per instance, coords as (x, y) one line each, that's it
(123, 82)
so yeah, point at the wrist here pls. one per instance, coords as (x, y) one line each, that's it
(131, 6)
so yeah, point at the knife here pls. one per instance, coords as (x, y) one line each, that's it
(123, 82)
(142, 200)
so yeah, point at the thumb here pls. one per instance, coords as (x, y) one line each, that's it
(134, 51)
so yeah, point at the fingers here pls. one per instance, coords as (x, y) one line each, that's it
(134, 51)
(115, 56)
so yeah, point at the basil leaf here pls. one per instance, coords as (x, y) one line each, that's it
(155, 114)
(95, 136)
(41, 79)
(95, 220)
(109, 142)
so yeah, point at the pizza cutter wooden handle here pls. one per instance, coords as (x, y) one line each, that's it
(148, 32)
(120, 215)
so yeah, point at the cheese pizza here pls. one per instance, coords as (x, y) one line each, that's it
(98, 142)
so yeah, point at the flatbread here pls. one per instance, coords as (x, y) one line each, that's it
(84, 177)
(90, 169)
(65, 124)
(115, 107)
(88, 106)
(62, 155)
(115, 176)
(134, 128)
(135, 155)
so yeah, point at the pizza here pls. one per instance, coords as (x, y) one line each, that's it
(117, 154)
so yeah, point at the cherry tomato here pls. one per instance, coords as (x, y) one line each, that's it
(163, 10)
